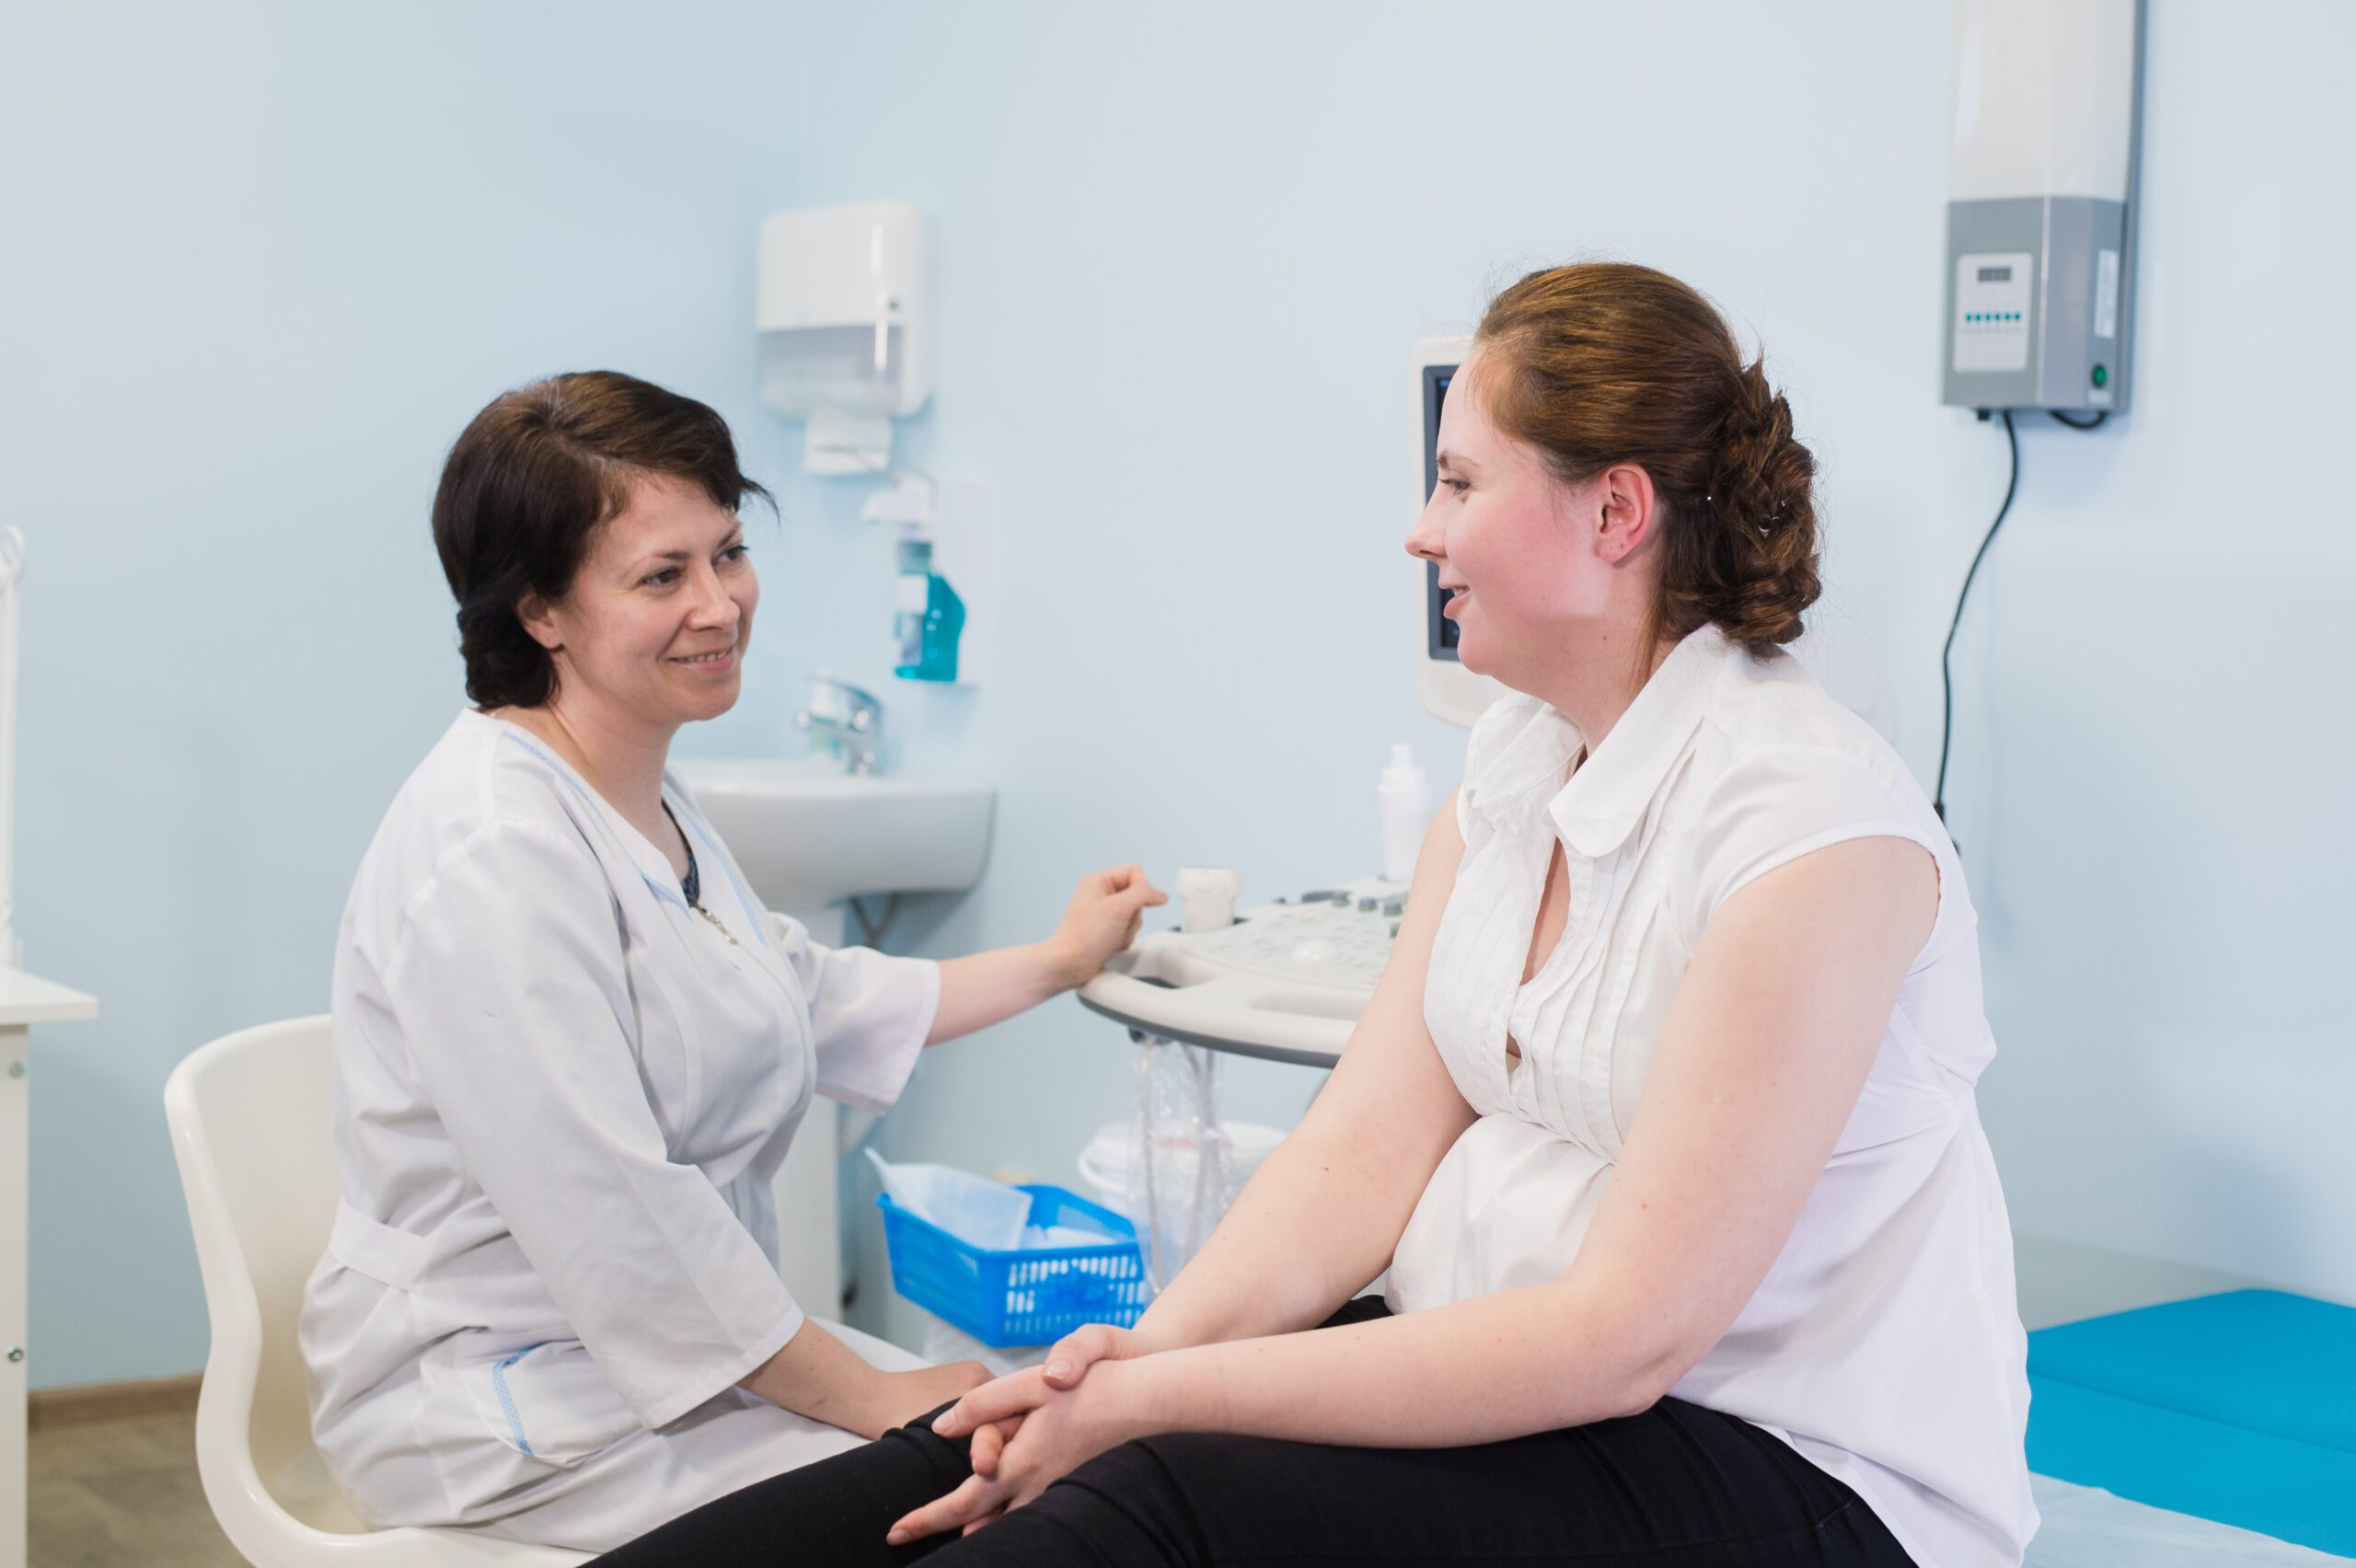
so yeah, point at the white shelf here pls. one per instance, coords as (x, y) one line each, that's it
(27, 998)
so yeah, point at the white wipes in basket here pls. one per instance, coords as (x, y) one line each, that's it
(974, 1209)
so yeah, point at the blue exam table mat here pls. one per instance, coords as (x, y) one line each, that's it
(2255, 1358)
(2239, 1408)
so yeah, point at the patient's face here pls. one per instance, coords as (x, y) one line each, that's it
(1505, 532)
(654, 628)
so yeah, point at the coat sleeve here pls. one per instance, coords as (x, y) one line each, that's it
(869, 1014)
(509, 987)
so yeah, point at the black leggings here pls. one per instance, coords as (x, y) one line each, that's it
(1677, 1485)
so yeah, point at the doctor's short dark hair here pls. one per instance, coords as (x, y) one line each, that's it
(527, 485)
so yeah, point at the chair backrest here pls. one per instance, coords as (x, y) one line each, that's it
(251, 1125)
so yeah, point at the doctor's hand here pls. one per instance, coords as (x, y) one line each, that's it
(1059, 1431)
(1103, 917)
(896, 1397)
(817, 1375)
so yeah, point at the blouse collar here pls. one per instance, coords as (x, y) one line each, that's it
(1605, 799)
(1613, 788)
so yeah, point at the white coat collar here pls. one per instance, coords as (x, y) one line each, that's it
(1608, 794)
(652, 863)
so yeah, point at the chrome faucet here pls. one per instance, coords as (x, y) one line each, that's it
(844, 722)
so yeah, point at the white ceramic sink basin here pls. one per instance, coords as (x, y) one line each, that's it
(807, 833)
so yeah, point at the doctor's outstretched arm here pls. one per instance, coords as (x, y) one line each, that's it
(814, 1373)
(990, 987)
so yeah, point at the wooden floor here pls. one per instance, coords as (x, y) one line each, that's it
(105, 1493)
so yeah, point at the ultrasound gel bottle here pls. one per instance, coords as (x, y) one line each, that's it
(1403, 803)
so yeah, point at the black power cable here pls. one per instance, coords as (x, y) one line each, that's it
(2061, 417)
(1946, 674)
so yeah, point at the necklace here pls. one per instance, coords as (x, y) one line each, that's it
(692, 883)
(716, 925)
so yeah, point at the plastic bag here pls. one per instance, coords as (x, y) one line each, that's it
(974, 1209)
(1184, 1178)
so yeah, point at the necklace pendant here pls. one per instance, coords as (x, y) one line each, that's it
(716, 925)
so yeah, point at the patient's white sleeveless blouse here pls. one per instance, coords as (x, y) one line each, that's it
(1885, 1344)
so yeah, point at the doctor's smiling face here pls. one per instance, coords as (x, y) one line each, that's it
(651, 633)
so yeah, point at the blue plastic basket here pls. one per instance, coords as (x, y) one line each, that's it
(1031, 1296)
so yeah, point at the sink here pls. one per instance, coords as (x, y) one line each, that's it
(807, 833)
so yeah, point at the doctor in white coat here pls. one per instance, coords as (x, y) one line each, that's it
(571, 1047)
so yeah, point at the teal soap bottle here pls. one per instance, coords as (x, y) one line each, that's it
(927, 616)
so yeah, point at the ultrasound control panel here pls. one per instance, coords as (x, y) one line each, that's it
(1327, 934)
(1286, 981)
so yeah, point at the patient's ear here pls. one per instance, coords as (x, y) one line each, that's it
(1629, 511)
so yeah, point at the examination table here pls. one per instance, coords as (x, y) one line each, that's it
(2220, 1429)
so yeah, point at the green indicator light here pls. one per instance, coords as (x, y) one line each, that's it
(2102, 375)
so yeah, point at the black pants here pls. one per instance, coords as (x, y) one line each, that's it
(1677, 1485)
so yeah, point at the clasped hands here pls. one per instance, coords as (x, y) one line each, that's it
(1032, 1427)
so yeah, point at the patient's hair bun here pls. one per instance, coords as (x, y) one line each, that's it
(1751, 564)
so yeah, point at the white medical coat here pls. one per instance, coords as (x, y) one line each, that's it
(560, 1096)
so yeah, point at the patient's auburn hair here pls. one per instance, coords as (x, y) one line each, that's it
(1605, 363)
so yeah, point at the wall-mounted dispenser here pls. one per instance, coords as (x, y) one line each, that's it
(928, 614)
(2041, 273)
(846, 322)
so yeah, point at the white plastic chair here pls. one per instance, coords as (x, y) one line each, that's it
(250, 1119)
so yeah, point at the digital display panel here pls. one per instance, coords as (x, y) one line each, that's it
(1995, 275)
(1440, 632)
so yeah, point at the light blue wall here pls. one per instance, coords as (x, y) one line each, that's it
(1184, 261)
(258, 265)
(258, 268)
